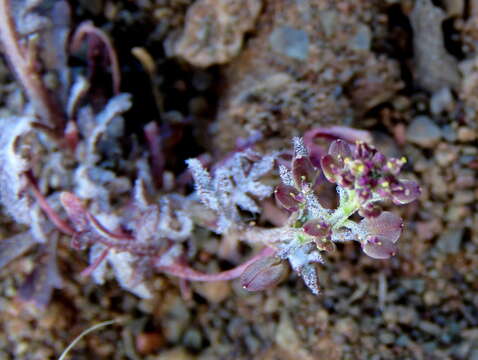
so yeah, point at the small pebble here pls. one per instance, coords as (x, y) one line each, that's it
(430, 328)
(147, 343)
(387, 338)
(403, 340)
(329, 21)
(400, 314)
(192, 339)
(465, 179)
(465, 134)
(449, 241)
(423, 132)
(463, 197)
(449, 133)
(441, 101)
(445, 154)
(456, 213)
(175, 354)
(362, 39)
(474, 354)
(290, 42)
(431, 298)
(347, 327)
(214, 292)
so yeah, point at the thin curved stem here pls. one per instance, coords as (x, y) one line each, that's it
(86, 332)
(87, 28)
(61, 224)
(185, 272)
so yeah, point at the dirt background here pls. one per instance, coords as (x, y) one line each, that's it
(405, 70)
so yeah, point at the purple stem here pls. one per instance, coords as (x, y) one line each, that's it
(62, 225)
(153, 137)
(87, 28)
(89, 270)
(185, 272)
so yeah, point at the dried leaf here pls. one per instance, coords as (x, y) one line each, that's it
(15, 246)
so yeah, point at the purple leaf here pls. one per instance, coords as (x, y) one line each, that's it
(334, 132)
(303, 171)
(379, 247)
(288, 197)
(39, 285)
(317, 228)
(387, 225)
(15, 246)
(263, 274)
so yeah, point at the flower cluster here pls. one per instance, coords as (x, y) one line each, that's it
(369, 174)
(363, 177)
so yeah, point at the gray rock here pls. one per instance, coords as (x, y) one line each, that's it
(403, 340)
(387, 337)
(430, 328)
(450, 241)
(192, 339)
(362, 39)
(442, 100)
(290, 42)
(449, 133)
(423, 132)
(474, 354)
(328, 20)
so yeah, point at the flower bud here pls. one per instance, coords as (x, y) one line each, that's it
(364, 151)
(340, 151)
(394, 165)
(330, 168)
(405, 192)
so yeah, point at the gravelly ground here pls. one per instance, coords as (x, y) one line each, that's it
(299, 64)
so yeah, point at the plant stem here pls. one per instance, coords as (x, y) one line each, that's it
(45, 206)
(87, 28)
(346, 209)
(185, 272)
(22, 62)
